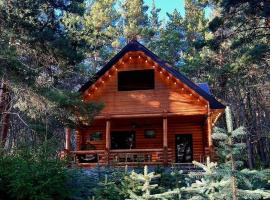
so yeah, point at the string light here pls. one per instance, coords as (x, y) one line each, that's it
(114, 68)
(146, 61)
(110, 76)
(130, 57)
(174, 83)
(139, 56)
(190, 94)
(154, 66)
(168, 77)
(160, 72)
(182, 89)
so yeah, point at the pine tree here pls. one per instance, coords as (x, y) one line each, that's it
(101, 18)
(170, 43)
(196, 33)
(38, 57)
(97, 31)
(146, 178)
(228, 179)
(154, 17)
(151, 32)
(238, 62)
(134, 18)
(212, 185)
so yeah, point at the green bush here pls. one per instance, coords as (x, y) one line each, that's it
(34, 176)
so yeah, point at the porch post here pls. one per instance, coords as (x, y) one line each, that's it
(209, 136)
(67, 136)
(165, 140)
(108, 140)
(209, 126)
(78, 140)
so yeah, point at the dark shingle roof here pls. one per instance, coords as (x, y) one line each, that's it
(133, 45)
(205, 87)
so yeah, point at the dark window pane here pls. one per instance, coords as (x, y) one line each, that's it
(122, 139)
(136, 80)
(149, 134)
(96, 136)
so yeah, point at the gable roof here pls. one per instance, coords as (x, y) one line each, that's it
(134, 45)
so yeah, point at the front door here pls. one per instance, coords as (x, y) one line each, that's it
(183, 146)
(123, 139)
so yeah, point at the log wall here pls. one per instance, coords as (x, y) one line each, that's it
(169, 94)
(176, 125)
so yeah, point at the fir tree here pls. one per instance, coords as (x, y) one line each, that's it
(228, 179)
(145, 190)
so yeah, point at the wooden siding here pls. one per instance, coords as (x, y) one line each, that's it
(167, 96)
(176, 125)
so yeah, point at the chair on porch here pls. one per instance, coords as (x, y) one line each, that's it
(90, 158)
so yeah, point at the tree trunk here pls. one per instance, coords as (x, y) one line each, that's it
(229, 124)
(4, 109)
(250, 153)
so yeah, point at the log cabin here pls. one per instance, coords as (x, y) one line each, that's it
(152, 114)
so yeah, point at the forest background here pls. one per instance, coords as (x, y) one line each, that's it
(50, 48)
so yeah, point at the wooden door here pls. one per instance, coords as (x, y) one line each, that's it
(183, 148)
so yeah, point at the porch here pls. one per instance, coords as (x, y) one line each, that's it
(161, 149)
(132, 157)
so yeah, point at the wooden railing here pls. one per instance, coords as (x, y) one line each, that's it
(131, 157)
(89, 157)
(121, 157)
(138, 156)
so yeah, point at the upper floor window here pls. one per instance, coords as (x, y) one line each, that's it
(136, 80)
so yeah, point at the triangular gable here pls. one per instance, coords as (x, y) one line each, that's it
(136, 46)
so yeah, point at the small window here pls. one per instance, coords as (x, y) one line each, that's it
(97, 136)
(149, 134)
(136, 80)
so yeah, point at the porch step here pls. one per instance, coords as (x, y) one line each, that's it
(186, 167)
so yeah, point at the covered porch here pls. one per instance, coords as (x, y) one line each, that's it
(143, 140)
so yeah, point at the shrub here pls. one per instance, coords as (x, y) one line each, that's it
(32, 176)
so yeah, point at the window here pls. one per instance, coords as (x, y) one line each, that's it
(123, 139)
(97, 136)
(149, 134)
(136, 80)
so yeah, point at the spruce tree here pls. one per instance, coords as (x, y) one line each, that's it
(145, 187)
(229, 179)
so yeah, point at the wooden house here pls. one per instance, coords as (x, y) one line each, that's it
(153, 114)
